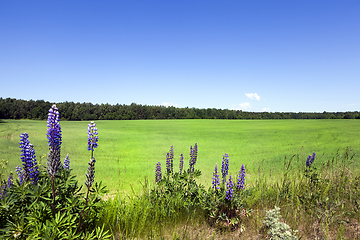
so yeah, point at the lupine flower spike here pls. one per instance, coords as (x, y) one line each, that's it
(313, 158)
(66, 164)
(181, 165)
(158, 172)
(193, 158)
(20, 174)
(4, 186)
(2, 191)
(54, 141)
(168, 164)
(229, 190)
(90, 175)
(30, 167)
(310, 160)
(171, 158)
(225, 168)
(92, 144)
(216, 182)
(10, 181)
(241, 178)
(92, 137)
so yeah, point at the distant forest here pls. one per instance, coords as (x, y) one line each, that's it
(11, 108)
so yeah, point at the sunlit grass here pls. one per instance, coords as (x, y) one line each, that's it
(129, 150)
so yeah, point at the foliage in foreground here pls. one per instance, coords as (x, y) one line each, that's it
(47, 203)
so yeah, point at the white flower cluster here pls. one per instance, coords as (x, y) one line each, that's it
(278, 230)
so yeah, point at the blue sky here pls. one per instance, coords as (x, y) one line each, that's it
(276, 56)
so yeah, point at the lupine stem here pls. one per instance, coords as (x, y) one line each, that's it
(54, 142)
(90, 175)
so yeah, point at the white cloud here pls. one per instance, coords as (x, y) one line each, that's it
(244, 106)
(166, 104)
(253, 96)
(266, 109)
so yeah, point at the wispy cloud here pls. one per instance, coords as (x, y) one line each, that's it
(253, 96)
(266, 109)
(167, 104)
(242, 106)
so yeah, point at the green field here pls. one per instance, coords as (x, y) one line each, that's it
(129, 150)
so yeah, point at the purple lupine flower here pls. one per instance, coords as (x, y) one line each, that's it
(190, 161)
(158, 172)
(4, 186)
(313, 158)
(171, 152)
(241, 178)
(54, 141)
(10, 181)
(229, 191)
(181, 165)
(25, 155)
(168, 164)
(170, 161)
(193, 158)
(2, 191)
(35, 170)
(225, 167)
(92, 136)
(20, 173)
(216, 182)
(28, 158)
(310, 159)
(66, 164)
(90, 175)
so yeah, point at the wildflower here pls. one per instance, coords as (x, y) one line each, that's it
(54, 141)
(66, 164)
(170, 161)
(312, 157)
(171, 153)
(92, 136)
(215, 182)
(310, 160)
(225, 167)
(30, 167)
(2, 191)
(4, 186)
(20, 173)
(92, 143)
(193, 157)
(10, 181)
(158, 172)
(168, 164)
(90, 175)
(181, 165)
(241, 178)
(229, 191)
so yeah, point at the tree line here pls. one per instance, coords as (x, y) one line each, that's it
(11, 108)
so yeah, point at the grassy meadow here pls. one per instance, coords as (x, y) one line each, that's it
(129, 150)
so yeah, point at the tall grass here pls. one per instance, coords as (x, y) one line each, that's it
(323, 205)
